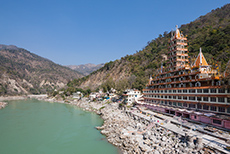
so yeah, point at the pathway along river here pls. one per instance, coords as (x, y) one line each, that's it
(35, 127)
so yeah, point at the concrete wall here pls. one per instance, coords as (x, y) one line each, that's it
(205, 119)
(226, 124)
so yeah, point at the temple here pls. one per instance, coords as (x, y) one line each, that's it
(188, 89)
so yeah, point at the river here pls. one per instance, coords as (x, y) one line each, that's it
(35, 127)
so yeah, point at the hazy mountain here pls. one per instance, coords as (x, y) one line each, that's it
(86, 69)
(211, 32)
(22, 72)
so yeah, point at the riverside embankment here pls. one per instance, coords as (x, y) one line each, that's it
(134, 134)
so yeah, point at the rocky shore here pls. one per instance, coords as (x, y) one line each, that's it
(2, 105)
(133, 135)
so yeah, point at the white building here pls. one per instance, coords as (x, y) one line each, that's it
(77, 95)
(93, 96)
(131, 95)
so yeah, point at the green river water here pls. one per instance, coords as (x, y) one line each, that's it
(37, 127)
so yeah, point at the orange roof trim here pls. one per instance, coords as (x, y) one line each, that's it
(200, 60)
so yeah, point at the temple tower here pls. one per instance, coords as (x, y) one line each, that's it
(178, 53)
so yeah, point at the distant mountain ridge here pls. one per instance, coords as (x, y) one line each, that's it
(86, 69)
(23, 72)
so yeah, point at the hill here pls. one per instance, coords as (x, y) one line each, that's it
(211, 32)
(85, 69)
(22, 72)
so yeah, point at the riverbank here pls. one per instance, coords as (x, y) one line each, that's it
(135, 135)
(11, 98)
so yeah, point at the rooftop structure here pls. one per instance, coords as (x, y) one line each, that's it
(192, 90)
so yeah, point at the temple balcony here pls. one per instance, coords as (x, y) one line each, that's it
(182, 49)
(178, 54)
(178, 49)
(184, 81)
(178, 59)
(178, 43)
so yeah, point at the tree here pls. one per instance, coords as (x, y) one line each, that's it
(131, 80)
(88, 91)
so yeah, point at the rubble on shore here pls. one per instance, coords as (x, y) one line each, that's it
(134, 136)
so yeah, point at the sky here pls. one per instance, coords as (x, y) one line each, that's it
(73, 32)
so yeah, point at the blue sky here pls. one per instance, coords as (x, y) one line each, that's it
(72, 32)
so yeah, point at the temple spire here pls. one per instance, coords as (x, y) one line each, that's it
(177, 35)
(200, 60)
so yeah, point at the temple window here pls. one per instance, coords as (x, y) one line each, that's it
(205, 98)
(228, 110)
(205, 90)
(213, 99)
(199, 106)
(199, 98)
(213, 90)
(221, 90)
(185, 97)
(220, 99)
(212, 108)
(228, 99)
(199, 90)
(205, 107)
(192, 105)
(216, 121)
(221, 109)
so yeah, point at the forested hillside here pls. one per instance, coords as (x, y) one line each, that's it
(210, 32)
(22, 72)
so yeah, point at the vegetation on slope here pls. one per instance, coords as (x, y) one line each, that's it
(22, 72)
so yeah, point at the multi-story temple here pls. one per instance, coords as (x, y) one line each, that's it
(190, 90)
